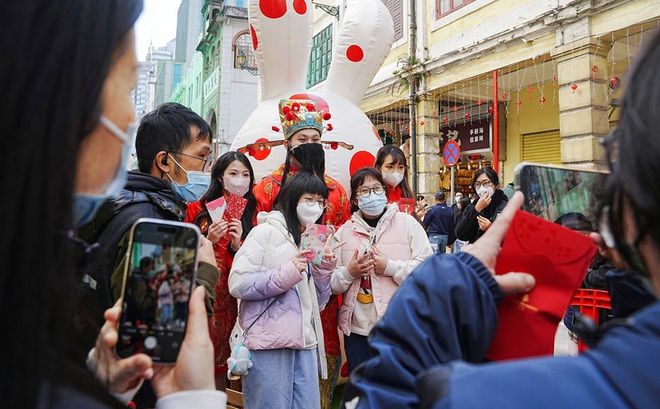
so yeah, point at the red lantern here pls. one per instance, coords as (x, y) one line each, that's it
(445, 120)
(594, 68)
(615, 83)
(574, 87)
(421, 123)
(467, 115)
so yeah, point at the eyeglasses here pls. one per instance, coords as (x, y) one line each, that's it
(366, 191)
(310, 201)
(485, 183)
(208, 162)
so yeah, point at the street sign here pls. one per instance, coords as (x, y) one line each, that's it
(450, 153)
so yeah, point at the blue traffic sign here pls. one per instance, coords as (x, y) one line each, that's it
(450, 153)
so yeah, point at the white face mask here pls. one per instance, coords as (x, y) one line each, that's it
(392, 179)
(236, 185)
(483, 190)
(309, 214)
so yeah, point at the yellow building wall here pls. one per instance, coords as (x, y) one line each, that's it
(529, 118)
(492, 11)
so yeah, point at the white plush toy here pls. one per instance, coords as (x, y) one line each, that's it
(282, 37)
(239, 362)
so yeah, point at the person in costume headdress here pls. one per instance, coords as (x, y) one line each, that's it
(303, 126)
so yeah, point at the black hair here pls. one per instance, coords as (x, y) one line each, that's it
(56, 56)
(299, 184)
(399, 158)
(167, 128)
(146, 261)
(490, 173)
(633, 151)
(358, 179)
(216, 190)
(420, 197)
(575, 221)
(440, 196)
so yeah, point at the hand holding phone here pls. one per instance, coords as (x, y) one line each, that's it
(162, 257)
(119, 375)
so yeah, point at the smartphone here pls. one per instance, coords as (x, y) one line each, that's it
(158, 280)
(560, 194)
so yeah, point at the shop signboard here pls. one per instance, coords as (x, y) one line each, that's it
(472, 136)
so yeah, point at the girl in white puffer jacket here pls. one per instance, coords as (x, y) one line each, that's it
(280, 295)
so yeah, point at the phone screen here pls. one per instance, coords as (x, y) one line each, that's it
(569, 197)
(158, 281)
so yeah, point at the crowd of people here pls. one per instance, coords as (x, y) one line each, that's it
(415, 326)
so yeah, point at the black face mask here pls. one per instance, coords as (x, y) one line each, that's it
(311, 158)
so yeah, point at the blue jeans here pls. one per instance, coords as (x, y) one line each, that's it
(357, 350)
(282, 378)
(458, 245)
(438, 242)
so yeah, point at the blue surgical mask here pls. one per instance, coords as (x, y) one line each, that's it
(86, 205)
(198, 184)
(373, 204)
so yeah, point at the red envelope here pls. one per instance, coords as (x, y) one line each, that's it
(407, 206)
(558, 259)
(235, 207)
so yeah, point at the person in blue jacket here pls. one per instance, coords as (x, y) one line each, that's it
(429, 348)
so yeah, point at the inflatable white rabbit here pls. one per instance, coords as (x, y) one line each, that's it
(282, 36)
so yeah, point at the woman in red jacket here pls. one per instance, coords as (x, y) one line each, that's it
(232, 174)
(392, 164)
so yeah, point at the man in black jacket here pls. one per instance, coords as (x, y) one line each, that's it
(173, 147)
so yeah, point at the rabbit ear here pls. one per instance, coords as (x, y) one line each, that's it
(362, 44)
(282, 41)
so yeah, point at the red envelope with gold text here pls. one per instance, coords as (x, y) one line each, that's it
(558, 259)
(407, 205)
(235, 207)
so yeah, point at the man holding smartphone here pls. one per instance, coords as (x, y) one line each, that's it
(173, 147)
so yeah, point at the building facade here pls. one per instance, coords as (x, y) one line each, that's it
(551, 70)
(229, 72)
